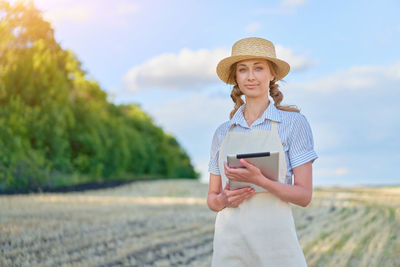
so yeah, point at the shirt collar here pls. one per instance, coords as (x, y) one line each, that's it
(270, 113)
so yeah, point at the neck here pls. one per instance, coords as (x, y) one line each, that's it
(255, 108)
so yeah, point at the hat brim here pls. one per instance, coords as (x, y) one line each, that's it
(223, 67)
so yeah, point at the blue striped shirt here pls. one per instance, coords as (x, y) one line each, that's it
(293, 129)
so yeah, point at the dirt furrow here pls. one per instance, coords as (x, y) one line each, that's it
(180, 251)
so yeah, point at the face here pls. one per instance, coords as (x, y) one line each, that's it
(253, 77)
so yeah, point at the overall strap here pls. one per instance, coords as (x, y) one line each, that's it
(274, 126)
(230, 127)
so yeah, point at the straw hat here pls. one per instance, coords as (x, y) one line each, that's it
(250, 48)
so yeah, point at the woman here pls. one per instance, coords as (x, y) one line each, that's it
(257, 228)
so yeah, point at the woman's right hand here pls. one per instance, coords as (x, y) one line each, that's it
(233, 198)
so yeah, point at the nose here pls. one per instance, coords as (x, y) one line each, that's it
(250, 77)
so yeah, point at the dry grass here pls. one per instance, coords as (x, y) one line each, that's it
(357, 226)
(167, 223)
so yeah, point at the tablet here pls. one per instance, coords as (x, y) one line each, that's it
(267, 162)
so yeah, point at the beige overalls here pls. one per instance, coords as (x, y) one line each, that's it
(261, 230)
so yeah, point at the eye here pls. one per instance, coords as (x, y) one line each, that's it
(259, 68)
(242, 69)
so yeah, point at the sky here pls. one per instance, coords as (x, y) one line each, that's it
(162, 55)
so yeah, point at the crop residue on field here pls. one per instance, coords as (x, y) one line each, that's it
(167, 223)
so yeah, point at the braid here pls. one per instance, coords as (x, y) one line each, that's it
(236, 96)
(277, 96)
(275, 93)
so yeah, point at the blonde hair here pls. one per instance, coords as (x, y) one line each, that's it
(274, 91)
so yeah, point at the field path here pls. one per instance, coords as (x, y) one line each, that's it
(167, 223)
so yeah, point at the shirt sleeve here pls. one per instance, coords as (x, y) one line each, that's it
(214, 154)
(301, 143)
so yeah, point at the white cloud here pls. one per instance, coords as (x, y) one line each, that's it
(296, 62)
(355, 78)
(252, 28)
(192, 112)
(354, 109)
(190, 69)
(186, 70)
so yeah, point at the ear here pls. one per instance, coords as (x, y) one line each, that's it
(272, 75)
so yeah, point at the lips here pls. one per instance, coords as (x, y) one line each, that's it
(250, 85)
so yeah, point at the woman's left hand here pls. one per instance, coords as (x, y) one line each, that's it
(250, 173)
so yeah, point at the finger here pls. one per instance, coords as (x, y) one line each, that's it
(237, 172)
(246, 163)
(226, 165)
(240, 177)
(233, 200)
(228, 170)
(239, 191)
(230, 176)
(239, 198)
(247, 194)
(251, 193)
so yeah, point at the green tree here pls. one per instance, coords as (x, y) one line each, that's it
(56, 125)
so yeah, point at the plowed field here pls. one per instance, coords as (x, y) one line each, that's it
(167, 223)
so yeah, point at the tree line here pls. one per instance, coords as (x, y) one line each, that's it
(57, 127)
